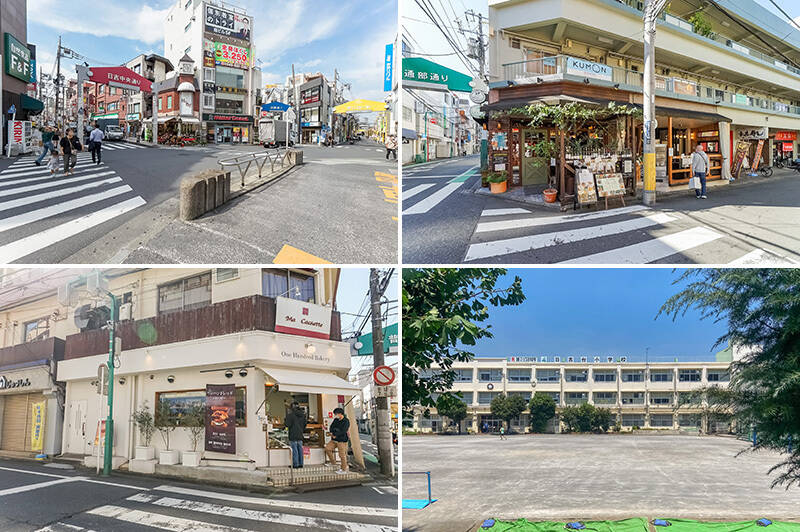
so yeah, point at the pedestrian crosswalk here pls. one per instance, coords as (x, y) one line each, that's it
(438, 193)
(111, 145)
(631, 235)
(186, 510)
(39, 209)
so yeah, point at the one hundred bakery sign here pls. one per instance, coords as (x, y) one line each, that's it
(303, 319)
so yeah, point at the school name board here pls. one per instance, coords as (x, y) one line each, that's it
(17, 59)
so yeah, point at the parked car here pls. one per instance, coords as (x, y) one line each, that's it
(113, 133)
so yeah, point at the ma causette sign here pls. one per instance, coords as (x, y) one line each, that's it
(303, 319)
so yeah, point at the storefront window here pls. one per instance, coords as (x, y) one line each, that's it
(310, 115)
(276, 283)
(181, 402)
(229, 103)
(185, 294)
(230, 77)
(36, 330)
(277, 405)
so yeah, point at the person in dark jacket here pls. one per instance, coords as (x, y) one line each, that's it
(339, 438)
(295, 422)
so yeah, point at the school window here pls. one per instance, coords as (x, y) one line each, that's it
(519, 375)
(556, 396)
(490, 375)
(283, 283)
(605, 377)
(576, 397)
(661, 420)
(689, 375)
(632, 420)
(665, 376)
(181, 403)
(463, 375)
(189, 25)
(36, 330)
(633, 398)
(604, 397)
(226, 274)
(548, 375)
(576, 376)
(525, 395)
(632, 376)
(485, 398)
(718, 376)
(660, 399)
(185, 294)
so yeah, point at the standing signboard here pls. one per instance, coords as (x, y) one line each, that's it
(221, 418)
(227, 23)
(738, 158)
(757, 158)
(20, 133)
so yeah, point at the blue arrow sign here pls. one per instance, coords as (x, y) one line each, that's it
(275, 106)
(12, 109)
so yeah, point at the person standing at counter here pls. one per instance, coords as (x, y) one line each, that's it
(339, 439)
(295, 423)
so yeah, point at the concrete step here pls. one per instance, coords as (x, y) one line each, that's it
(282, 476)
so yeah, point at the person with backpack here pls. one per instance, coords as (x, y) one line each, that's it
(295, 423)
(339, 438)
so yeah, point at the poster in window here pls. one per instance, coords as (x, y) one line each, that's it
(221, 418)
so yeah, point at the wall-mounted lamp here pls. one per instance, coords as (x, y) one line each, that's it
(311, 349)
(229, 374)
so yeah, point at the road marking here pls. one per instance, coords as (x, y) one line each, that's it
(34, 472)
(46, 212)
(292, 255)
(433, 200)
(40, 485)
(289, 505)
(26, 246)
(61, 527)
(503, 212)
(55, 183)
(313, 523)
(41, 170)
(761, 257)
(551, 220)
(416, 190)
(646, 252)
(526, 243)
(464, 176)
(390, 190)
(23, 164)
(56, 193)
(164, 522)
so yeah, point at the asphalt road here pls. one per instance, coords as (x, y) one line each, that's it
(587, 477)
(745, 224)
(35, 497)
(125, 210)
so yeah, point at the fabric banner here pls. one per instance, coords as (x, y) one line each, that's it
(738, 158)
(221, 418)
(37, 426)
(757, 159)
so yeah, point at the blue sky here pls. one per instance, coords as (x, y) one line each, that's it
(316, 35)
(597, 312)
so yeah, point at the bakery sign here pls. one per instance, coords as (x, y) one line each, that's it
(9, 384)
(293, 316)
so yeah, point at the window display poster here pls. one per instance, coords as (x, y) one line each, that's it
(584, 187)
(221, 418)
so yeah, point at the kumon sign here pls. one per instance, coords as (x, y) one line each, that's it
(17, 59)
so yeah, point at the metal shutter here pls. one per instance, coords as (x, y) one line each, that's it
(16, 434)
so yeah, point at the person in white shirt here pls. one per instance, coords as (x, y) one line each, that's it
(96, 143)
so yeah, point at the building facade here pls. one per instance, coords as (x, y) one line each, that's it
(139, 106)
(217, 36)
(640, 395)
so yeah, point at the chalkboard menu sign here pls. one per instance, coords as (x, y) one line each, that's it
(499, 162)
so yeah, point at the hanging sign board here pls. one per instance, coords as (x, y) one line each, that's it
(293, 316)
(121, 77)
(17, 59)
(786, 135)
(221, 418)
(753, 133)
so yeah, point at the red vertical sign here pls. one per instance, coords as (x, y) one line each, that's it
(221, 418)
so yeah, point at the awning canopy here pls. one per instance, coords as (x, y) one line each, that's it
(31, 104)
(310, 382)
(409, 134)
(360, 106)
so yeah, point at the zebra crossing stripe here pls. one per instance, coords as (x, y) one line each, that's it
(312, 523)
(552, 220)
(164, 522)
(527, 243)
(416, 190)
(53, 183)
(40, 169)
(31, 244)
(4, 206)
(652, 250)
(62, 527)
(761, 257)
(503, 212)
(36, 179)
(433, 200)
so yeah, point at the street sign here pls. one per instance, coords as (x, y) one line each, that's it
(12, 109)
(383, 375)
(385, 391)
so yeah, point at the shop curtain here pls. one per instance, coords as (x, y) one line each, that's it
(725, 148)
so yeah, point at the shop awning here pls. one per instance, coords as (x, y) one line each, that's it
(685, 113)
(189, 120)
(310, 381)
(31, 104)
(409, 134)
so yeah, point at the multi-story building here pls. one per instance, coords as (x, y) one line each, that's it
(317, 98)
(89, 101)
(271, 333)
(217, 36)
(730, 76)
(639, 394)
(139, 106)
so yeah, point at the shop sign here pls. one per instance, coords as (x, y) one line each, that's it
(387, 67)
(211, 117)
(18, 59)
(121, 77)
(8, 384)
(293, 316)
(132, 117)
(589, 69)
(741, 99)
(788, 147)
(232, 90)
(227, 23)
(419, 69)
(230, 55)
(753, 133)
(786, 135)
(21, 133)
(221, 418)
(683, 86)
(37, 426)
(208, 61)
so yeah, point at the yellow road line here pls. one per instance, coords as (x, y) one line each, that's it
(292, 255)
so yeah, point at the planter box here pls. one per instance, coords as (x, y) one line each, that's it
(191, 458)
(498, 188)
(169, 457)
(145, 453)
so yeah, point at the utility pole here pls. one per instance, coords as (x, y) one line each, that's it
(651, 10)
(296, 104)
(58, 77)
(382, 419)
(109, 443)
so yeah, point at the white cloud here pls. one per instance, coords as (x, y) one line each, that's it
(294, 25)
(103, 18)
(309, 64)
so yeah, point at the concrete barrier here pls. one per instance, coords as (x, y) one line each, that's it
(192, 197)
(296, 157)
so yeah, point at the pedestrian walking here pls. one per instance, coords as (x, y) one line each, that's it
(503, 433)
(96, 142)
(295, 423)
(47, 144)
(68, 151)
(339, 439)
(391, 147)
(54, 162)
(700, 166)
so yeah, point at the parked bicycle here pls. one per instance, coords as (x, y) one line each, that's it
(765, 171)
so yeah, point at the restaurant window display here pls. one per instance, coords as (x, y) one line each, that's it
(181, 402)
(277, 404)
(677, 141)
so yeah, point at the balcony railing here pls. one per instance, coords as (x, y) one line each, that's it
(554, 68)
(29, 352)
(253, 313)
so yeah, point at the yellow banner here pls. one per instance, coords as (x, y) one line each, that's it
(357, 106)
(37, 426)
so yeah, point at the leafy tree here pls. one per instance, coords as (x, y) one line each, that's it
(761, 308)
(586, 418)
(443, 310)
(601, 419)
(543, 409)
(506, 407)
(455, 411)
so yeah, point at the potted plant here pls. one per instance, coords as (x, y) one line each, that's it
(165, 423)
(195, 421)
(143, 420)
(498, 182)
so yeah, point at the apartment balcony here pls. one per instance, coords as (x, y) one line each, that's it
(253, 313)
(32, 353)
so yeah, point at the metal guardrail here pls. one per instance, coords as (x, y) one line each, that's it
(244, 162)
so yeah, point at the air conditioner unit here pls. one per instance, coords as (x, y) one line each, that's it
(584, 359)
(125, 311)
(596, 360)
(623, 359)
(570, 359)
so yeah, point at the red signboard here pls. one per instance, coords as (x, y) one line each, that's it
(787, 147)
(786, 135)
(122, 77)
